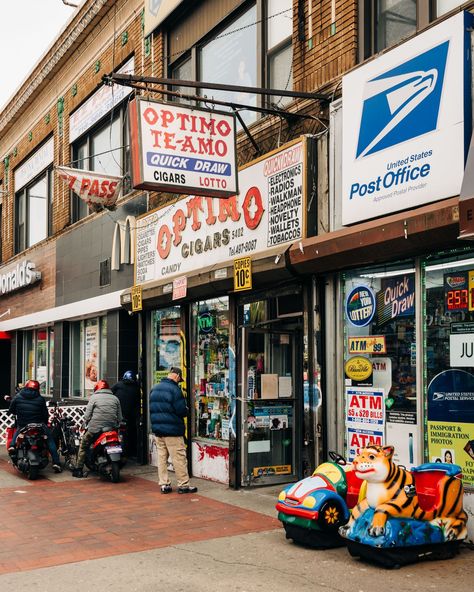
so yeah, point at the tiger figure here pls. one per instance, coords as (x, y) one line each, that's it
(391, 493)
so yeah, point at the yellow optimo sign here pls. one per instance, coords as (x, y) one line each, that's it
(358, 368)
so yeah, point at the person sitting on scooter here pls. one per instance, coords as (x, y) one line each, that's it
(102, 411)
(29, 406)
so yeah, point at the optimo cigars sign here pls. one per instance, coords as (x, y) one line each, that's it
(182, 150)
(197, 232)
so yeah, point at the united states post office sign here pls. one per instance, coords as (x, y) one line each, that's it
(406, 122)
(182, 150)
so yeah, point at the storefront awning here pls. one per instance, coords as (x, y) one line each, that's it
(466, 200)
(79, 309)
(407, 234)
(266, 271)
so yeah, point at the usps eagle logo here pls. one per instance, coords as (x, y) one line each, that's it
(402, 103)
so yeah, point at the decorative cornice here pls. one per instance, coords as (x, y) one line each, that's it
(56, 54)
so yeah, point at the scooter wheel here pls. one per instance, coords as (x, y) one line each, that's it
(115, 471)
(32, 472)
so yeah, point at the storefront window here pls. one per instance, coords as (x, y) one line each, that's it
(449, 363)
(76, 361)
(42, 359)
(210, 372)
(88, 351)
(28, 356)
(166, 342)
(103, 347)
(380, 360)
(38, 358)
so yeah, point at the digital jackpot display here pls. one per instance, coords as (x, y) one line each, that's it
(456, 292)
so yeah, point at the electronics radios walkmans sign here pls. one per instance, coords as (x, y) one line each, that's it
(182, 150)
(406, 119)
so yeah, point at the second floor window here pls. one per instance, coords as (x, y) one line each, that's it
(443, 6)
(33, 212)
(384, 23)
(246, 50)
(104, 149)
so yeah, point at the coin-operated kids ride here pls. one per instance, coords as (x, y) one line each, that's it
(313, 509)
(405, 516)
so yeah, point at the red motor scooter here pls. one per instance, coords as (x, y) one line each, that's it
(105, 457)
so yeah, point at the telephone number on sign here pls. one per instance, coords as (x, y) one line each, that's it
(243, 248)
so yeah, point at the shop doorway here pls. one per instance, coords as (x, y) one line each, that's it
(5, 374)
(271, 381)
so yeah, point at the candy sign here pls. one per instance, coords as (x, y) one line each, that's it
(182, 150)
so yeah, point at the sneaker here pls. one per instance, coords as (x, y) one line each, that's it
(57, 468)
(78, 473)
(188, 489)
(166, 489)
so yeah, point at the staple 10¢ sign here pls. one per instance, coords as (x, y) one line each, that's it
(242, 274)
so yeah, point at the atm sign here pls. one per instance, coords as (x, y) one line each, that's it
(368, 344)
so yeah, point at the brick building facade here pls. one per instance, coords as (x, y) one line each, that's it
(296, 301)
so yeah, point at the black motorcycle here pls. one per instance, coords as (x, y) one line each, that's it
(30, 453)
(65, 434)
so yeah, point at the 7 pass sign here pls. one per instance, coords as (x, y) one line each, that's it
(182, 150)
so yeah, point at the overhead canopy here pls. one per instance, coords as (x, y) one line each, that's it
(466, 199)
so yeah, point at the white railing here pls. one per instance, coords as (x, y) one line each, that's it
(74, 412)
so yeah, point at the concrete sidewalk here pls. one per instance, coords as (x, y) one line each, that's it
(127, 537)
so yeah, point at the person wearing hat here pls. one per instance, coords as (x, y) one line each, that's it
(167, 412)
(127, 392)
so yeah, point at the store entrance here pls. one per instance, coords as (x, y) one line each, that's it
(271, 387)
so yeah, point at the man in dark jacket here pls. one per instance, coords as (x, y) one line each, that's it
(28, 406)
(167, 412)
(127, 392)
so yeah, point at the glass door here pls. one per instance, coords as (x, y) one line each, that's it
(271, 383)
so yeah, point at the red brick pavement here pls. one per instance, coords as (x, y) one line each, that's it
(56, 523)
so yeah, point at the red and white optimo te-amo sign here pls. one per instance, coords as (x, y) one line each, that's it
(182, 150)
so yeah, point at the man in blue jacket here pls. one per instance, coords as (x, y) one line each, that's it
(167, 412)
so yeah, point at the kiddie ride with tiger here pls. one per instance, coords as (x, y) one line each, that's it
(383, 512)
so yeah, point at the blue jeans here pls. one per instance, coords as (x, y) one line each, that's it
(51, 444)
